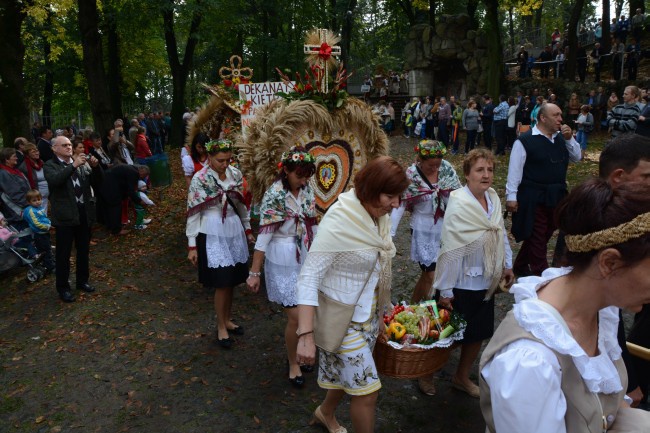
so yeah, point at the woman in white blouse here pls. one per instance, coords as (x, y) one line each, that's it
(218, 226)
(554, 364)
(349, 262)
(287, 228)
(474, 257)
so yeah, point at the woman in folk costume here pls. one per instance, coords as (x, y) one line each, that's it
(350, 262)
(554, 364)
(287, 228)
(218, 227)
(474, 257)
(432, 179)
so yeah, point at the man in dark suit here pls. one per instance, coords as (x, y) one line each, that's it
(43, 143)
(120, 183)
(72, 213)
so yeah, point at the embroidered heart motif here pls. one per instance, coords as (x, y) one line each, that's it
(334, 166)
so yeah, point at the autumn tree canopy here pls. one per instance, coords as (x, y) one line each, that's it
(105, 58)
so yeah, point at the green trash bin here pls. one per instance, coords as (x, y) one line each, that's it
(161, 174)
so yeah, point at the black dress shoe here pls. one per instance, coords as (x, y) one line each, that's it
(237, 330)
(226, 343)
(297, 382)
(307, 368)
(86, 288)
(66, 296)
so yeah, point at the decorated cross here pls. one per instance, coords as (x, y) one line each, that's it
(320, 48)
(235, 73)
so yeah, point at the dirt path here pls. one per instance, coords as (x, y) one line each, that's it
(139, 354)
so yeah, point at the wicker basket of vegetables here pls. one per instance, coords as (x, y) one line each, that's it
(417, 340)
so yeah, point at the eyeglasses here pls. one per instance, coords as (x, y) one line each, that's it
(65, 145)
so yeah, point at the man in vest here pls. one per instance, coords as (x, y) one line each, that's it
(536, 184)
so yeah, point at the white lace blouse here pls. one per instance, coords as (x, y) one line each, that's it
(342, 276)
(525, 376)
(209, 220)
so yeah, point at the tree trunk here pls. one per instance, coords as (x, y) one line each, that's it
(538, 16)
(334, 25)
(636, 4)
(407, 7)
(48, 88)
(14, 113)
(114, 64)
(432, 13)
(180, 71)
(512, 29)
(93, 60)
(495, 50)
(528, 23)
(265, 45)
(472, 6)
(618, 8)
(346, 32)
(606, 43)
(570, 72)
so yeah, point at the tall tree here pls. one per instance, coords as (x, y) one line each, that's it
(432, 13)
(114, 62)
(618, 7)
(179, 70)
(48, 91)
(472, 6)
(93, 61)
(492, 26)
(409, 10)
(606, 43)
(636, 4)
(14, 114)
(573, 39)
(347, 31)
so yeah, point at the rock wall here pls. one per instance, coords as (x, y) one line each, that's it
(448, 60)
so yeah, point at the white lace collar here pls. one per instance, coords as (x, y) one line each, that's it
(599, 373)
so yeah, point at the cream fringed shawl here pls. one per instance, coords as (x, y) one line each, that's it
(466, 229)
(347, 227)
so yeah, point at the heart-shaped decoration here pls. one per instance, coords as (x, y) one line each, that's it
(334, 166)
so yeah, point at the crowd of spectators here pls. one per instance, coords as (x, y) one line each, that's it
(497, 124)
(25, 189)
(625, 54)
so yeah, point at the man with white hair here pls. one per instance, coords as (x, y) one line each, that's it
(536, 183)
(72, 212)
(133, 130)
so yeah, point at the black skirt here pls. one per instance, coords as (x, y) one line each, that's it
(221, 277)
(478, 313)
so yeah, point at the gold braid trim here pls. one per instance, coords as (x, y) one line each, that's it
(636, 228)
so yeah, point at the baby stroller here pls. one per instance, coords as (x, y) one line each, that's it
(13, 256)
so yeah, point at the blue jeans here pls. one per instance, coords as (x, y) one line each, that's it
(581, 137)
(443, 135)
(471, 140)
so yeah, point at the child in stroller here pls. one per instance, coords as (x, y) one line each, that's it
(13, 256)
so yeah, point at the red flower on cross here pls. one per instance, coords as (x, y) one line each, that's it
(325, 51)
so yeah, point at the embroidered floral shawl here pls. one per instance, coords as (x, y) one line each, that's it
(274, 212)
(419, 190)
(206, 192)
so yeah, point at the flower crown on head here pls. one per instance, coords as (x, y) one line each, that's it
(296, 155)
(430, 149)
(215, 146)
